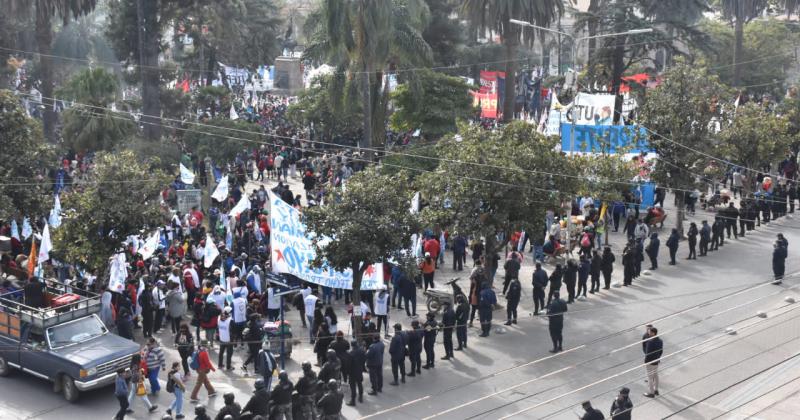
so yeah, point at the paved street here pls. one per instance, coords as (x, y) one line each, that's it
(691, 304)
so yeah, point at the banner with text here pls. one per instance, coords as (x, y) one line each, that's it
(604, 138)
(292, 252)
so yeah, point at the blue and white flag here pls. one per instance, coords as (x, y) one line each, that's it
(46, 245)
(150, 246)
(187, 177)
(210, 252)
(240, 207)
(221, 192)
(55, 213)
(27, 230)
(14, 230)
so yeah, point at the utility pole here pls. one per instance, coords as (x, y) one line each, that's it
(559, 45)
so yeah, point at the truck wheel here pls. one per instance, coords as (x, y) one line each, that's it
(71, 392)
(5, 370)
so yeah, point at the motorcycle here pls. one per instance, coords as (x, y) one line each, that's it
(437, 297)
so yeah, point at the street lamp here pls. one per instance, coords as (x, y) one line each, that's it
(573, 110)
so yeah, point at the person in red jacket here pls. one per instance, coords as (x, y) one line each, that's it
(205, 367)
(431, 246)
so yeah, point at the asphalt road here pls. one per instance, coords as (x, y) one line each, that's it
(705, 371)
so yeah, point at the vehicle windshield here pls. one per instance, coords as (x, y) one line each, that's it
(75, 332)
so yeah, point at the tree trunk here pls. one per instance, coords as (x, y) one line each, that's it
(591, 28)
(618, 69)
(366, 139)
(44, 39)
(738, 30)
(681, 212)
(149, 45)
(358, 274)
(511, 75)
(210, 65)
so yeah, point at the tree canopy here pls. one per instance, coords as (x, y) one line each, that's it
(432, 102)
(120, 198)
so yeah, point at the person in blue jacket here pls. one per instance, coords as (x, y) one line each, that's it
(487, 300)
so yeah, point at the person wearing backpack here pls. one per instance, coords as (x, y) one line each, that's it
(185, 344)
(202, 364)
(176, 386)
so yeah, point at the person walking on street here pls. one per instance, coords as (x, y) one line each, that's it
(539, 285)
(555, 317)
(358, 360)
(672, 245)
(607, 267)
(137, 387)
(154, 357)
(397, 354)
(486, 305)
(622, 406)
(779, 255)
(570, 279)
(584, 270)
(462, 314)
(431, 328)
(258, 404)
(414, 344)
(653, 350)
(595, 268)
(204, 367)
(224, 324)
(692, 237)
(652, 250)
(705, 238)
(177, 387)
(281, 397)
(374, 362)
(266, 365)
(512, 300)
(121, 392)
(459, 252)
(555, 282)
(331, 402)
(306, 388)
(591, 413)
(511, 267)
(448, 325)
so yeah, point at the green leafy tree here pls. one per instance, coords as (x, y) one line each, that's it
(432, 102)
(761, 75)
(241, 33)
(755, 137)
(221, 138)
(496, 15)
(91, 125)
(120, 198)
(25, 189)
(331, 114)
(493, 183)
(364, 40)
(445, 33)
(368, 223)
(681, 134)
(44, 12)
(739, 12)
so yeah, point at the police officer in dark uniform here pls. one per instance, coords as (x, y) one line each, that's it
(306, 387)
(397, 353)
(330, 405)
(448, 325)
(431, 327)
(281, 397)
(555, 282)
(555, 316)
(539, 284)
(358, 359)
(375, 365)
(591, 413)
(462, 316)
(512, 300)
(332, 368)
(415, 348)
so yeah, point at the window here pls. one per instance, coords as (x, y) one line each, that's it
(75, 332)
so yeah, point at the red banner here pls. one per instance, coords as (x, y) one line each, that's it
(487, 96)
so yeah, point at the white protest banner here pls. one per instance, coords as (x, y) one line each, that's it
(592, 109)
(414, 204)
(292, 252)
(118, 273)
(240, 207)
(221, 192)
(14, 230)
(187, 177)
(554, 118)
(150, 246)
(55, 213)
(46, 246)
(210, 252)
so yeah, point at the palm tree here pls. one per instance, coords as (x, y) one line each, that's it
(91, 125)
(364, 39)
(741, 12)
(496, 15)
(44, 12)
